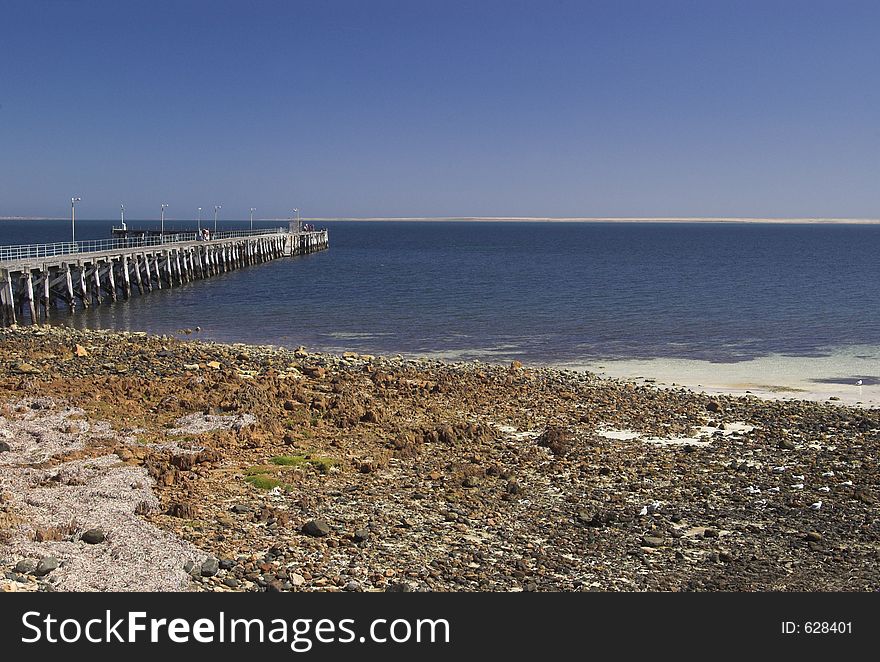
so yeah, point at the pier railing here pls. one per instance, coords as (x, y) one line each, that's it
(32, 251)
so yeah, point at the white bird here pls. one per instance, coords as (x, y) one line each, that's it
(824, 489)
(847, 482)
(827, 474)
(774, 490)
(761, 502)
(816, 506)
(643, 511)
(751, 489)
(797, 477)
(797, 486)
(859, 383)
(778, 470)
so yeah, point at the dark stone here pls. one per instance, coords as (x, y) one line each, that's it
(25, 566)
(93, 536)
(210, 567)
(361, 535)
(786, 444)
(653, 541)
(275, 586)
(713, 406)
(45, 566)
(4, 446)
(400, 587)
(710, 533)
(316, 528)
(188, 567)
(814, 536)
(227, 564)
(231, 582)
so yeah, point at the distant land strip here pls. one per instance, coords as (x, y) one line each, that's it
(606, 219)
(523, 219)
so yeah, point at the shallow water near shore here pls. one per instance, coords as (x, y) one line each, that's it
(775, 308)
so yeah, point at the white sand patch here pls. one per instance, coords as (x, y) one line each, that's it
(202, 423)
(39, 429)
(619, 435)
(96, 493)
(75, 496)
(775, 376)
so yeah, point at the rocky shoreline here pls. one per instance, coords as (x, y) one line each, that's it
(136, 462)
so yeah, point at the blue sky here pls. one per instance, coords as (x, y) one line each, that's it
(410, 108)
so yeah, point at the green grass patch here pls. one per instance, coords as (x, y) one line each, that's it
(264, 482)
(261, 469)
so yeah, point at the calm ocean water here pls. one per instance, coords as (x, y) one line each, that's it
(538, 292)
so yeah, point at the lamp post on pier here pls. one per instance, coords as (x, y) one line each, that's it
(253, 209)
(162, 222)
(122, 215)
(216, 209)
(200, 220)
(298, 224)
(73, 202)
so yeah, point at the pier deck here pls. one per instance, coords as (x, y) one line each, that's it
(37, 279)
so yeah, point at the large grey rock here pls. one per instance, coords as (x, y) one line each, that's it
(25, 566)
(45, 566)
(94, 536)
(210, 567)
(316, 528)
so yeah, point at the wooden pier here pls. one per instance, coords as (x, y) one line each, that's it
(36, 280)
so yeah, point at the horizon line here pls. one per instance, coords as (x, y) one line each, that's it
(526, 219)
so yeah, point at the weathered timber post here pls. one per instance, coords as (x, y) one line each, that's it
(83, 289)
(180, 278)
(169, 276)
(28, 284)
(7, 297)
(71, 298)
(156, 273)
(138, 279)
(126, 279)
(44, 298)
(111, 278)
(96, 275)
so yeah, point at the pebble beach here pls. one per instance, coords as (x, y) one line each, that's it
(145, 462)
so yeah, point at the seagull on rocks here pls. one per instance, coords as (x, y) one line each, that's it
(816, 506)
(827, 474)
(797, 477)
(847, 483)
(643, 511)
(824, 489)
(773, 490)
(797, 486)
(779, 470)
(751, 489)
